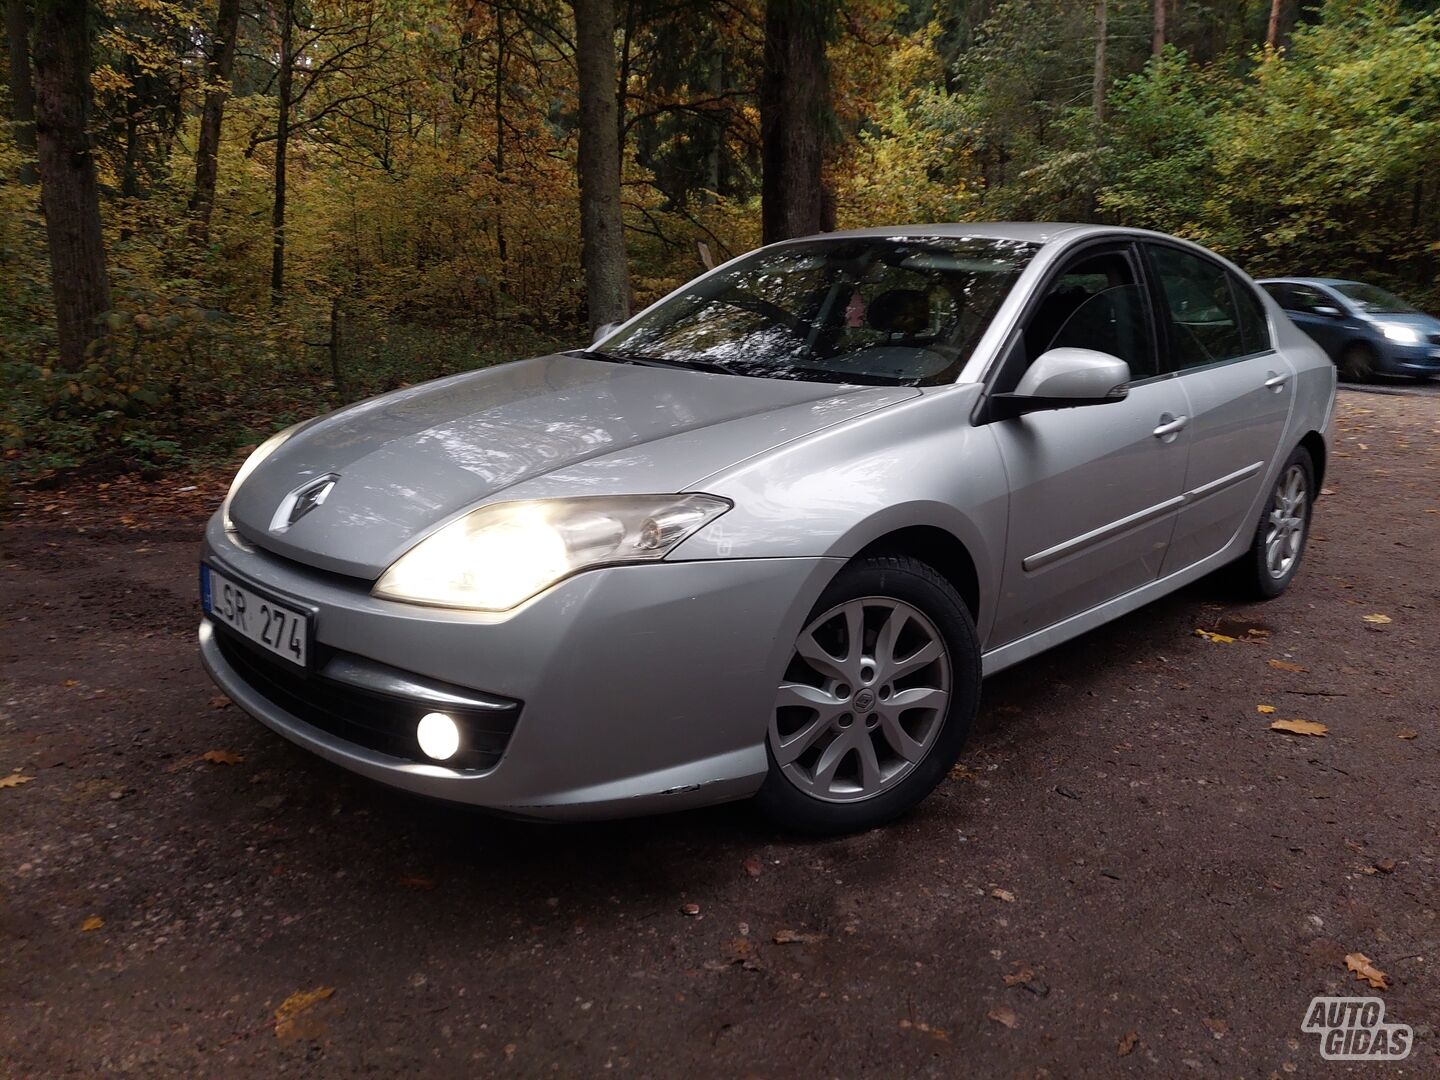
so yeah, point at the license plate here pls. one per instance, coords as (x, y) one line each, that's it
(274, 626)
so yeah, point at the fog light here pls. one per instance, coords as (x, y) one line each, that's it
(438, 735)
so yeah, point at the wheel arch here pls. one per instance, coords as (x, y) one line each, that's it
(1313, 443)
(938, 548)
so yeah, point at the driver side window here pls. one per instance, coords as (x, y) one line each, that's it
(1096, 303)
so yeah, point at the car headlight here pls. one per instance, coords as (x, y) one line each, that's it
(1400, 333)
(257, 456)
(497, 556)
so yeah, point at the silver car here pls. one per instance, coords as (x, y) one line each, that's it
(766, 538)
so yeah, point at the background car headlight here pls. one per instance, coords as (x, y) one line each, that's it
(258, 455)
(499, 555)
(1399, 332)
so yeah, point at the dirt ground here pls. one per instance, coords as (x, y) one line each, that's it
(1129, 874)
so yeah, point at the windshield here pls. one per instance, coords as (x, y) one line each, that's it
(1373, 300)
(890, 311)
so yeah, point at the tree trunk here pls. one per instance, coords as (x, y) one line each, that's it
(1272, 31)
(22, 87)
(794, 110)
(219, 66)
(607, 288)
(1157, 33)
(282, 145)
(1101, 34)
(69, 192)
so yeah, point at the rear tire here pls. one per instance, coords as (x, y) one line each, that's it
(1357, 363)
(1266, 570)
(876, 701)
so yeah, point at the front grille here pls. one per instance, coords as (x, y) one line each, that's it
(369, 718)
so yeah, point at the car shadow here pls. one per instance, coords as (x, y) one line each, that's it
(430, 859)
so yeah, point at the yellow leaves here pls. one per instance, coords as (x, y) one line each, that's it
(15, 779)
(1218, 639)
(1365, 971)
(1003, 894)
(1300, 727)
(1004, 1015)
(1286, 665)
(1265, 710)
(1378, 620)
(221, 757)
(92, 922)
(296, 1004)
(795, 937)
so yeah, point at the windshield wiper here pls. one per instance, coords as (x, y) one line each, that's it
(609, 358)
(695, 365)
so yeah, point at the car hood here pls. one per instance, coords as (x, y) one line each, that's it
(410, 460)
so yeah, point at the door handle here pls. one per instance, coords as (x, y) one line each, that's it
(1169, 425)
(1275, 382)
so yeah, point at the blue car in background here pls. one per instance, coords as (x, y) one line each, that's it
(1366, 330)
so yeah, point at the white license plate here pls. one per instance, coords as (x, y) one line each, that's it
(275, 627)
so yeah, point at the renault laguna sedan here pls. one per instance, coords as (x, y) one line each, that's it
(765, 539)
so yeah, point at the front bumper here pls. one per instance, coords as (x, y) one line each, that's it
(1397, 359)
(641, 688)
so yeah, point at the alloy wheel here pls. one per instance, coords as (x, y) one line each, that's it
(863, 699)
(1285, 534)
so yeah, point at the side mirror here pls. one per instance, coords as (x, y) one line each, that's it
(1327, 310)
(1063, 379)
(603, 331)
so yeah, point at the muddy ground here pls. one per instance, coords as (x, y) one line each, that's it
(1129, 874)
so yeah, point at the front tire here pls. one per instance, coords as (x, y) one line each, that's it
(876, 701)
(1357, 363)
(1266, 570)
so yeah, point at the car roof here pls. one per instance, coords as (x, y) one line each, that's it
(1307, 281)
(1032, 232)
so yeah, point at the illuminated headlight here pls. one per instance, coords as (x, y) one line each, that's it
(502, 554)
(1400, 333)
(253, 462)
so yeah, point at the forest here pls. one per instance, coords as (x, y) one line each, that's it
(220, 216)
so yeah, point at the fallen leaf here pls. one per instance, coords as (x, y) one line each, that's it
(1404, 733)
(963, 772)
(14, 780)
(1286, 665)
(1377, 619)
(219, 701)
(1217, 1026)
(1300, 727)
(1003, 894)
(1020, 975)
(416, 881)
(1365, 971)
(1003, 1014)
(690, 909)
(752, 866)
(1257, 632)
(295, 1004)
(1219, 639)
(92, 922)
(1265, 710)
(1127, 1043)
(1386, 866)
(221, 757)
(795, 937)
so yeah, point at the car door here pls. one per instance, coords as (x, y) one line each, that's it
(1239, 389)
(1322, 316)
(1094, 490)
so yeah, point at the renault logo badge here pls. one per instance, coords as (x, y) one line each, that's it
(301, 501)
